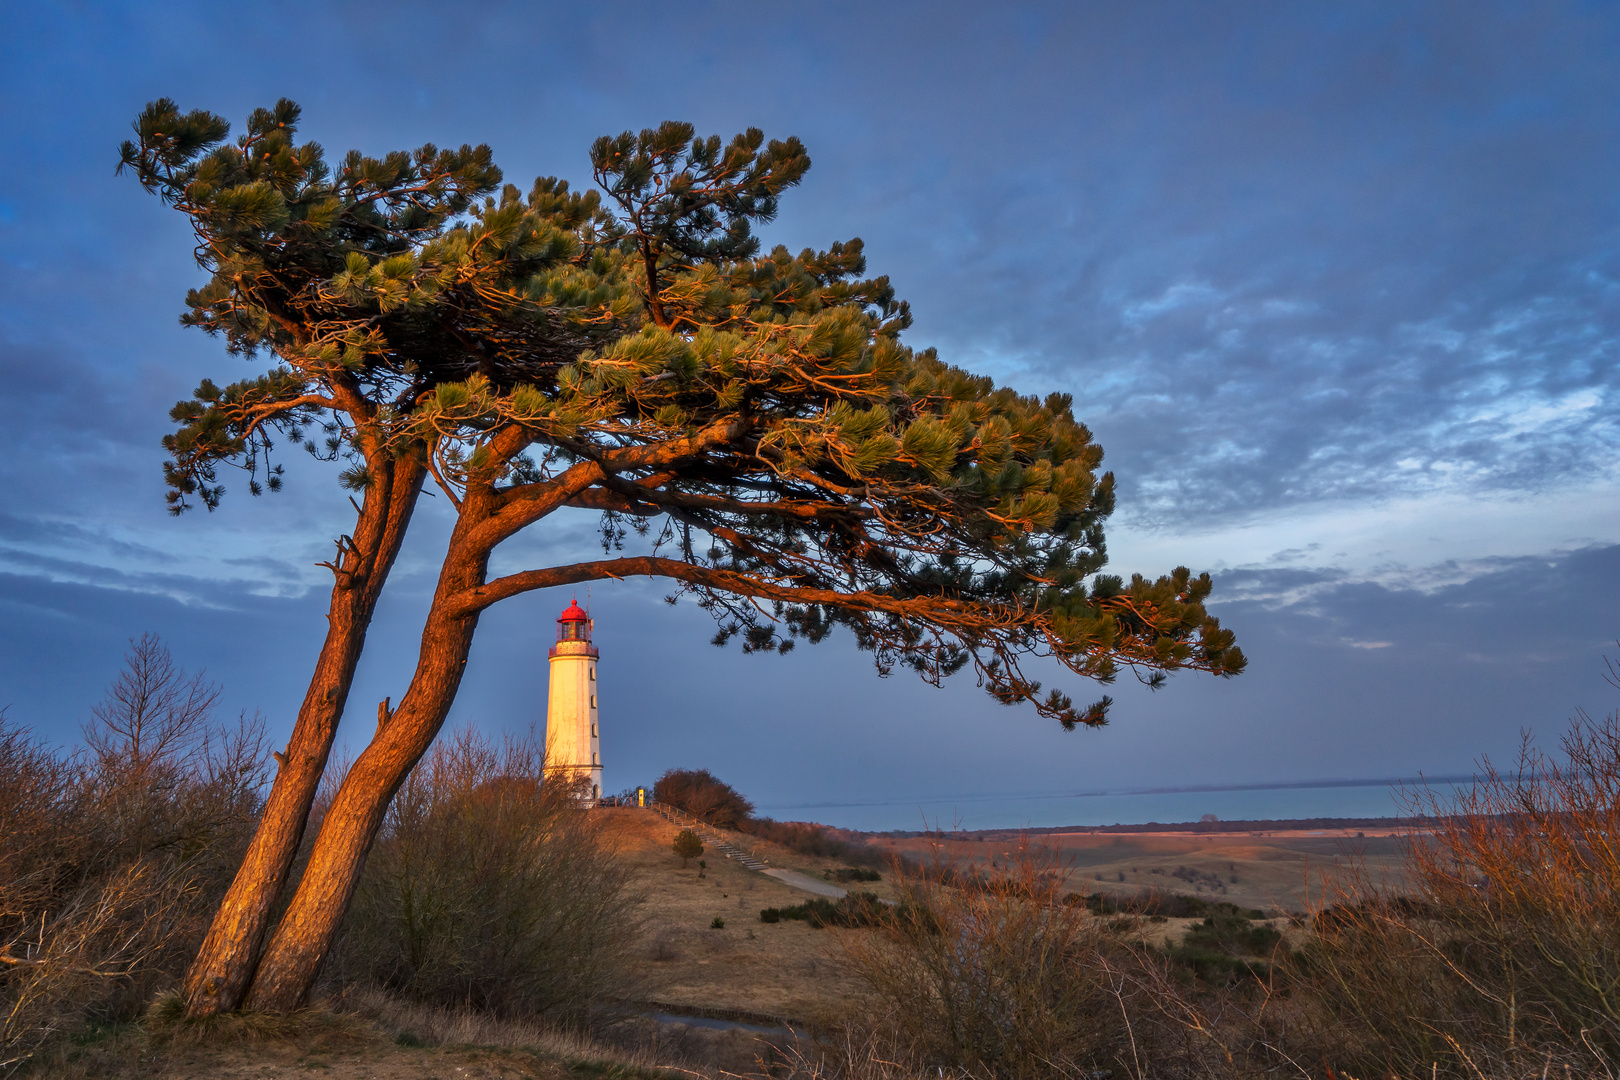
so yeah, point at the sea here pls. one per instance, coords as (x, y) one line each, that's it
(1139, 806)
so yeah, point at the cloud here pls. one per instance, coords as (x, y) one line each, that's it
(1337, 275)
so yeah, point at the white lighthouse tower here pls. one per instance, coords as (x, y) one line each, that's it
(573, 747)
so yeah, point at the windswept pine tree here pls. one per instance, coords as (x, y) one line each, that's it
(749, 424)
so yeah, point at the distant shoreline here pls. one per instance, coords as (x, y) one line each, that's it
(1274, 825)
(1392, 782)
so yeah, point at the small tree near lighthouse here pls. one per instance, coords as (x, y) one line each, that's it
(573, 744)
(688, 845)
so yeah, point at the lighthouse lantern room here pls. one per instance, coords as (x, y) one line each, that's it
(573, 746)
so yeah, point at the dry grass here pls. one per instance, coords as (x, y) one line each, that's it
(412, 1023)
(791, 970)
(367, 1033)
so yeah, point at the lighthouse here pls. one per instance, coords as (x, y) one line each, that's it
(573, 747)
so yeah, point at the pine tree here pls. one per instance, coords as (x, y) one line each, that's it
(752, 423)
(687, 845)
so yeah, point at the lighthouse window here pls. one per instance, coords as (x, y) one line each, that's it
(593, 701)
(593, 674)
(593, 731)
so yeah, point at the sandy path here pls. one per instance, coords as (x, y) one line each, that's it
(805, 882)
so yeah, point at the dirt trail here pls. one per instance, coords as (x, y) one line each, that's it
(805, 882)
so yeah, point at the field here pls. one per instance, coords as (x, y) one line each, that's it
(690, 970)
(1271, 870)
(790, 970)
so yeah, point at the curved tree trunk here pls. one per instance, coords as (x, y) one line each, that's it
(293, 958)
(302, 938)
(220, 975)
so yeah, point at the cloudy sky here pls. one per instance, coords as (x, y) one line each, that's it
(1335, 285)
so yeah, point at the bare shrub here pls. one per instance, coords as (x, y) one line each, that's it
(491, 888)
(1000, 973)
(1504, 960)
(111, 859)
(994, 973)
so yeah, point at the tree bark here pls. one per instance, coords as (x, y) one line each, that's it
(302, 938)
(224, 967)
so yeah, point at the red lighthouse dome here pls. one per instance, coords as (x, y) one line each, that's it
(574, 624)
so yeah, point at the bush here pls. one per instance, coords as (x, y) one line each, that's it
(1161, 903)
(856, 873)
(1497, 956)
(1227, 948)
(704, 796)
(491, 888)
(113, 860)
(688, 845)
(857, 909)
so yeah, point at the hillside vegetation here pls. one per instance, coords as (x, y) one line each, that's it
(497, 912)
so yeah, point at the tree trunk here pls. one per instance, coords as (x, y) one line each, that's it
(224, 967)
(305, 933)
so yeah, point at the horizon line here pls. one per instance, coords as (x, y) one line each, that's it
(1191, 789)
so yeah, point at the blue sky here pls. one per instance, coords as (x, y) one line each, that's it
(1335, 285)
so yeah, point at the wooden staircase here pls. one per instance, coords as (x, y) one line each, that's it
(711, 836)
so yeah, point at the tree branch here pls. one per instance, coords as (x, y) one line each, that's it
(525, 504)
(938, 609)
